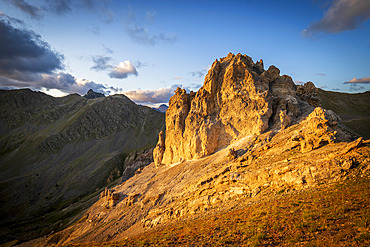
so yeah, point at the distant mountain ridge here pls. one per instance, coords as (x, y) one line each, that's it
(162, 108)
(56, 150)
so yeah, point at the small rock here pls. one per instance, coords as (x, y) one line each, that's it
(232, 154)
(347, 164)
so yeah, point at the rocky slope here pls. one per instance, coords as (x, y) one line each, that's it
(247, 134)
(57, 152)
(238, 98)
(354, 109)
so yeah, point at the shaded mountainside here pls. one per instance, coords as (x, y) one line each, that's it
(55, 151)
(246, 137)
(354, 109)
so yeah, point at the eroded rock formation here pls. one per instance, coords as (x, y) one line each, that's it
(109, 198)
(320, 129)
(159, 149)
(238, 98)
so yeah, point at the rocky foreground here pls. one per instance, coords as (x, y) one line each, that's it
(247, 135)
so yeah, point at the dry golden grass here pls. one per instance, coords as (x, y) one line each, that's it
(336, 215)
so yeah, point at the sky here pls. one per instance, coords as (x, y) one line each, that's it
(146, 49)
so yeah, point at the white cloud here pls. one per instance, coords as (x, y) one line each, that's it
(364, 80)
(123, 70)
(342, 15)
(53, 92)
(151, 97)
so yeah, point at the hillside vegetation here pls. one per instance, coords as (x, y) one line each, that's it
(57, 152)
(354, 109)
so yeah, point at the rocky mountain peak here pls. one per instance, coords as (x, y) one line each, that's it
(91, 94)
(162, 108)
(238, 99)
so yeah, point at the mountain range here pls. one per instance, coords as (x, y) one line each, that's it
(57, 153)
(248, 138)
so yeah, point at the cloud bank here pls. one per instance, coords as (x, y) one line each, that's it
(61, 7)
(364, 80)
(28, 61)
(342, 15)
(23, 53)
(150, 97)
(356, 83)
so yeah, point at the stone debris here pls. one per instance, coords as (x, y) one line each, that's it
(232, 154)
(109, 198)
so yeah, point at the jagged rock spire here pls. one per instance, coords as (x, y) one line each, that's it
(238, 98)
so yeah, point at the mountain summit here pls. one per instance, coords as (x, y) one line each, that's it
(93, 95)
(238, 99)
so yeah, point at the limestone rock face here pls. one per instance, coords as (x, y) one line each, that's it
(159, 150)
(284, 119)
(109, 198)
(239, 98)
(321, 128)
(308, 92)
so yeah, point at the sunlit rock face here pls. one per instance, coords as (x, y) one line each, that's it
(238, 98)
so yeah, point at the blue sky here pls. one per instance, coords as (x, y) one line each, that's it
(145, 49)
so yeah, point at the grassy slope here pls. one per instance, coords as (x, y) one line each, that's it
(335, 215)
(354, 109)
(36, 186)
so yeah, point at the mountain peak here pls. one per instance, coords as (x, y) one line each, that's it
(238, 99)
(91, 94)
(162, 108)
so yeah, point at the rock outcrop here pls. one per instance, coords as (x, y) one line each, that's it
(109, 198)
(239, 98)
(321, 128)
(308, 92)
(135, 162)
(159, 150)
(93, 95)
